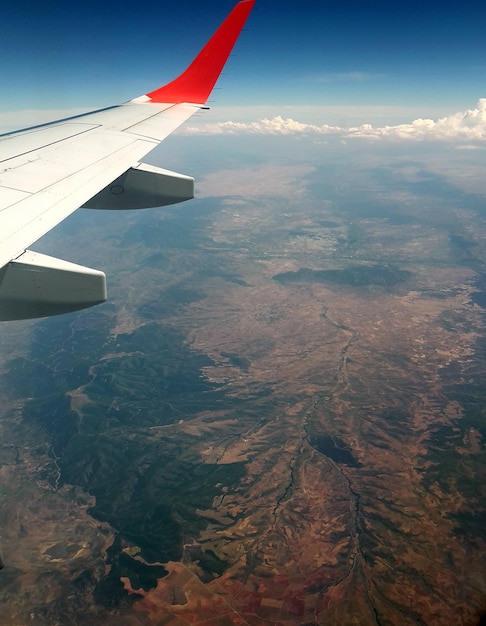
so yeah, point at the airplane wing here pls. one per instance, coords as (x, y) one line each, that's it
(93, 161)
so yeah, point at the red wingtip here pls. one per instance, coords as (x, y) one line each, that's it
(197, 82)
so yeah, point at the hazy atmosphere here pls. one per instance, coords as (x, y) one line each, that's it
(278, 416)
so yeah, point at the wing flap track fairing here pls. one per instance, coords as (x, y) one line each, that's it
(37, 285)
(143, 187)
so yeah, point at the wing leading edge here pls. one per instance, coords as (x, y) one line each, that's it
(93, 161)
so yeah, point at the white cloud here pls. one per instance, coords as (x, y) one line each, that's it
(463, 126)
(276, 126)
(466, 126)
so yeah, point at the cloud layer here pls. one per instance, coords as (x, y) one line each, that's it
(469, 125)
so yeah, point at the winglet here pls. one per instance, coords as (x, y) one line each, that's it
(196, 83)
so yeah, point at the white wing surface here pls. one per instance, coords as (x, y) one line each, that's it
(93, 160)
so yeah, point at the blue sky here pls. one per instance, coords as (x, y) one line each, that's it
(58, 55)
